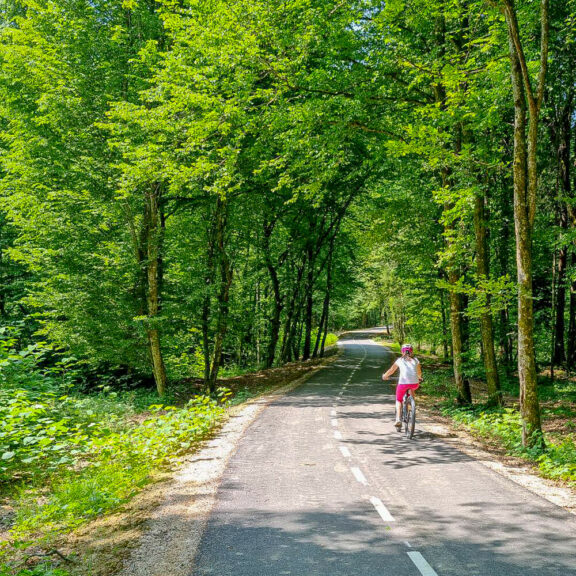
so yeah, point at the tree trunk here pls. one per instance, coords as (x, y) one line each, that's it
(275, 321)
(325, 331)
(505, 339)
(560, 129)
(559, 293)
(486, 326)
(297, 336)
(207, 300)
(323, 326)
(445, 344)
(224, 292)
(571, 348)
(153, 225)
(309, 299)
(291, 319)
(464, 396)
(525, 188)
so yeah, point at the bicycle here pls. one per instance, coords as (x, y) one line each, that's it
(408, 414)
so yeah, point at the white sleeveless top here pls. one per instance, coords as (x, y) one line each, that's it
(408, 373)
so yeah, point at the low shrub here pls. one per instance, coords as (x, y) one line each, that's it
(114, 466)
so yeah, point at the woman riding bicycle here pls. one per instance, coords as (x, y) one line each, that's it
(409, 379)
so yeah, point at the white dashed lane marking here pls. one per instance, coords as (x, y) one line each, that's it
(359, 476)
(382, 510)
(421, 564)
(345, 452)
(337, 434)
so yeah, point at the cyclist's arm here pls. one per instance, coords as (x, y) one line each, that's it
(419, 371)
(390, 371)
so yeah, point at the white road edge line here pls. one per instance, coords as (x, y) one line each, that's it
(408, 544)
(345, 452)
(421, 564)
(359, 476)
(382, 510)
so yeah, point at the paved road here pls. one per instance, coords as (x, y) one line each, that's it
(322, 484)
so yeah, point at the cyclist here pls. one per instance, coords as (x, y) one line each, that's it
(410, 377)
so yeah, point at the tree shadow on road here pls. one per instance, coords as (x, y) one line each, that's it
(353, 541)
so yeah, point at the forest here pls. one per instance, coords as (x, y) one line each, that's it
(199, 188)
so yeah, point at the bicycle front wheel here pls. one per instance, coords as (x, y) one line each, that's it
(410, 421)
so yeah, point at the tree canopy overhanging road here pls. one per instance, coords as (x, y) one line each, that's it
(322, 484)
(192, 185)
(195, 191)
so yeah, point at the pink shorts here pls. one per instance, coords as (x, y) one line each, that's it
(401, 388)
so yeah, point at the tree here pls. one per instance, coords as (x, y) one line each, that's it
(528, 99)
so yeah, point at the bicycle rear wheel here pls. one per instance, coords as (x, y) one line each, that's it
(410, 420)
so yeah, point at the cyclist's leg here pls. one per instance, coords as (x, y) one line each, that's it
(399, 394)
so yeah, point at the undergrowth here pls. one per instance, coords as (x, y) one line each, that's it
(66, 458)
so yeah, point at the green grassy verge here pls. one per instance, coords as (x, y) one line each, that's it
(65, 461)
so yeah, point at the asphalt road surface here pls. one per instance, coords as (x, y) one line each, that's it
(322, 484)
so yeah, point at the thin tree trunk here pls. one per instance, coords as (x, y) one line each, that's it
(154, 235)
(291, 319)
(323, 326)
(445, 344)
(309, 299)
(505, 339)
(325, 330)
(486, 326)
(224, 293)
(275, 321)
(207, 300)
(571, 348)
(560, 129)
(559, 309)
(462, 385)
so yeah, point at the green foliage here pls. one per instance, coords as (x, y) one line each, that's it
(90, 452)
(559, 460)
(116, 466)
(504, 424)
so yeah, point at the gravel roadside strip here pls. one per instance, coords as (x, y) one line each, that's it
(170, 543)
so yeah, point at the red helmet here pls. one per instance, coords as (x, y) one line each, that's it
(407, 349)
